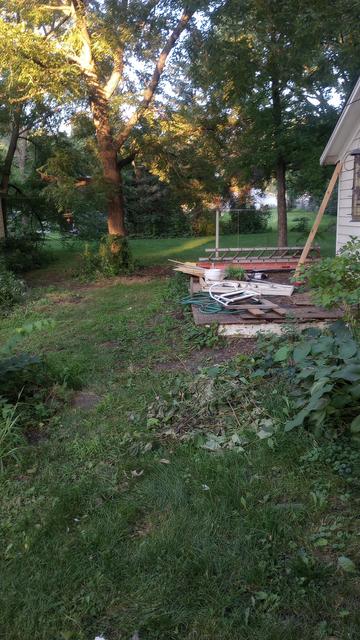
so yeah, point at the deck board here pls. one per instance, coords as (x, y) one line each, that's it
(298, 308)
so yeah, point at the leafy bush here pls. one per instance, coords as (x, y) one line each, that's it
(247, 221)
(23, 253)
(301, 225)
(12, 290)
(335, 282)
(112, 257)
(324, 369)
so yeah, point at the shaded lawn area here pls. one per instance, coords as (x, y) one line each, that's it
(108, 529)
(157, 251)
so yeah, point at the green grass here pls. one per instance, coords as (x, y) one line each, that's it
(159, 250)
(101, 536)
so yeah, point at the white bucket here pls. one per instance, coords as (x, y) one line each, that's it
(214, 275)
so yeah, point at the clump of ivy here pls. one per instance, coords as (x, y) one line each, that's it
(112, 257)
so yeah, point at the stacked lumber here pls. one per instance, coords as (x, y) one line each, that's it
(190, 268)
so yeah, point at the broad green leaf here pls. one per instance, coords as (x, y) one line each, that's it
(355, 425)
(282, 354)
(348, 349)
(323, 346)
(346, 564)
(298, 421)
(301, 351)
(355, 391)
(350, 373)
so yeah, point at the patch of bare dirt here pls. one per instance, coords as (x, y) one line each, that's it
(210, 356)
(64, 278)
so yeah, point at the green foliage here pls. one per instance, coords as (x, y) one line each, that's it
(12, 290)
(235, 273)
(16, 369)
(301, 225)
(335, 282)
(23, 253)
(111, 258)
(177, 287)
(324, 370)
(11, 438)
(201, 336)
(247, 221)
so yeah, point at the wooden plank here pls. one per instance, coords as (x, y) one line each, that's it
(325, 201)
(300, 314)
(254, 311)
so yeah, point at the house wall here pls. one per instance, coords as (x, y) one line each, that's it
(345, 226)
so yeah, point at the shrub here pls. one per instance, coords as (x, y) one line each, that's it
(12, 290)
(335, 282)
(112, 257)
(23, 253)
(247, 221)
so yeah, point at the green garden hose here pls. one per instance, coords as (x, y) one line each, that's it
(206, 304)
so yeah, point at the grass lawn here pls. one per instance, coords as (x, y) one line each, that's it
(149, 251)
(108, 529)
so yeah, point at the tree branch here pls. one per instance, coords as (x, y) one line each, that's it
(155, 79)
(123, 162)
(117, 73)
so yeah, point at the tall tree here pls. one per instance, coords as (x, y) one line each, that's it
(112, 48)
(272, 66)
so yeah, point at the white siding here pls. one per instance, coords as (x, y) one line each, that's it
(345, 226)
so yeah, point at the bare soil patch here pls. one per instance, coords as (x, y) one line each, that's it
(210, 356)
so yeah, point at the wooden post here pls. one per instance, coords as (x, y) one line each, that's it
(318, 218)
(217, 233)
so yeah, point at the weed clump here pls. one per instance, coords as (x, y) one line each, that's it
(111, 258)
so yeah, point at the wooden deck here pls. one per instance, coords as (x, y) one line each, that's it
(295, 309)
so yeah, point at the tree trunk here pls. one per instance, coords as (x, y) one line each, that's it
(6, 171)
(113, 179)
(280, 162)
(281, 203)
(108, 156)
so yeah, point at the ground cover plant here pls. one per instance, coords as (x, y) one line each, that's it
(335, 281)
(175, 506)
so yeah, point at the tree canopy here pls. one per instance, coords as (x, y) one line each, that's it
(128, 100)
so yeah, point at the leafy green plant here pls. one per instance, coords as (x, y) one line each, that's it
(112, 257)
(176, 288)
(335, 282)
(235, 273)
(17, 369)
(324, 369)
(22, 253)
(12, 290)
(201, 337)
(10, 434)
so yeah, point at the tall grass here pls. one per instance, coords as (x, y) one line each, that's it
(10, 435)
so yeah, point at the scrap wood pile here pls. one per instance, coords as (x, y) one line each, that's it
(235, 297)
(189, 268)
